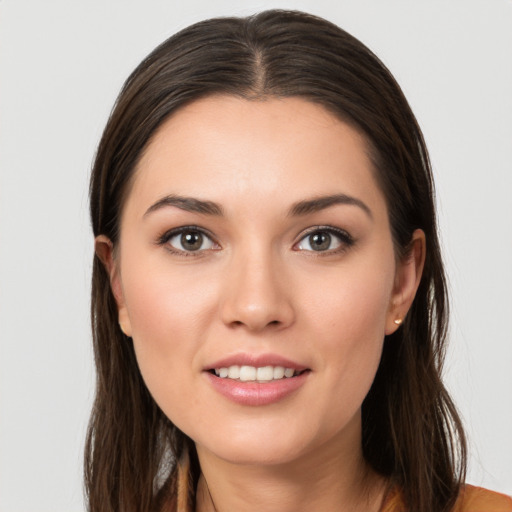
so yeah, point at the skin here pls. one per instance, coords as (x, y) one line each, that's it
(258, 287)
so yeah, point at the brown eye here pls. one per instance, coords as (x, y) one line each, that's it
(190, 241)
(323, 240)
(320, 241)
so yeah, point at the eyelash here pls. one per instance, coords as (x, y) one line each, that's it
(345, 239)
(168, 235)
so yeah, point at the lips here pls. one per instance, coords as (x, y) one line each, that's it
(256, 380)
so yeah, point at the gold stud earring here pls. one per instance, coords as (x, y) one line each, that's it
(398, 321)
(121, 327)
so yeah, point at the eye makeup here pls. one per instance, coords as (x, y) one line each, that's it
(192, 240)
(188, 241)
(325, 240)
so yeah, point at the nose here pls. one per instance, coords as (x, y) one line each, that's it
(257, 294)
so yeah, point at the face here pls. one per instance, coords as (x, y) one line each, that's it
(257, 277)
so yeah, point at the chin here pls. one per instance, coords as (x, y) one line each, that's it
(260, 446)
(256, 454)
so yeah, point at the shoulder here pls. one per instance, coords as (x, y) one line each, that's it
(476, 499)
(471, 499)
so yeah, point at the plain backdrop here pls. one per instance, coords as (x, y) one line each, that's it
(61, 66)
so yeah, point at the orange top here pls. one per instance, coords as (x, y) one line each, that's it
(471, 499)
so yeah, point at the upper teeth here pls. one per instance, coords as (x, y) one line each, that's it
(263, 373)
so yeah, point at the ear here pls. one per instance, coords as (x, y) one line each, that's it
(407, 279)
(105, 251)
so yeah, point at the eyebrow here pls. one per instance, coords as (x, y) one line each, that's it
(189, 204)
(306, 207)
(320, 203)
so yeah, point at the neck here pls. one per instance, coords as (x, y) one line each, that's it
(332, 477)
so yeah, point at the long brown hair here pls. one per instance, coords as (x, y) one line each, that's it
(411, 431)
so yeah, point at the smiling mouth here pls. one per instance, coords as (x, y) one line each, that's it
(261, 374)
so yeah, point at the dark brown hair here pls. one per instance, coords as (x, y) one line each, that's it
(411, 431)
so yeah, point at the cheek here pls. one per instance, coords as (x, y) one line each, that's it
(169, 313)
(353, 304)
(166, 302)
(351, 320)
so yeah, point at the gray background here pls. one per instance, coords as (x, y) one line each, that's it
(61, 66)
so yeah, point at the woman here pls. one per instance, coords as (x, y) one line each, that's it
(269, 305)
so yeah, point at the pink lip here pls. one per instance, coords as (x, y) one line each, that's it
(258, 361)
(256, 393)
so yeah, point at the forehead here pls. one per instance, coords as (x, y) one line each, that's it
(225, 148)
